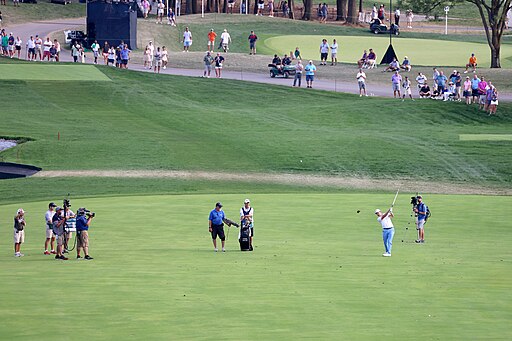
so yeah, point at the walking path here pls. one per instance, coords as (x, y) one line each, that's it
(45, 28)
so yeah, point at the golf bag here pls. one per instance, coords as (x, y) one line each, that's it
(244, 237)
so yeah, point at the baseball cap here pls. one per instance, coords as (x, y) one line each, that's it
(52, 204)
(20, 210)
(218, 204)
(58, 208)
(246, 201)
(419, 197)
(377, 211)
(406, 57)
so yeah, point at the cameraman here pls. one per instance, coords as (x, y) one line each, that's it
(19, 232)
(420, 209)
(59, 221)
(82, 232)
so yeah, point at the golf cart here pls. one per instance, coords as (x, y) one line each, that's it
(376, 26)
(71, 37)
(283, 70)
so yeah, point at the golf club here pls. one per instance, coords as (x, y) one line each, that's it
(396, 195)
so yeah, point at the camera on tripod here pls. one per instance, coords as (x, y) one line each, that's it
(86, 212)
(414, 201)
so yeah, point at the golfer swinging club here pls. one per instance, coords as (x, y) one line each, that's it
(388, 230)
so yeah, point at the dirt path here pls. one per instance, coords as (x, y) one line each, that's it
(305, 180)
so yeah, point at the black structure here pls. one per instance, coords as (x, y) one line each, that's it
(112, 21)
(10, 170)
(390, 53)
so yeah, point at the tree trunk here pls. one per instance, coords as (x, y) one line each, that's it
(225, 6)
(308, 4)
(208, 6)
(495, 57)
(341, 10)
(352, 13)
(195, 10)
(188, 7)
(255, 7)
(291, 6)
(360, 6)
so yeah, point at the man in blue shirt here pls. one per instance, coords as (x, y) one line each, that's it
(421, 211)
(441, 82)
(310, 73)
(82, 233)
(216, 226)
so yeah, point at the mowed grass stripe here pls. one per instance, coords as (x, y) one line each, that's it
(485, 137)
(51, 72)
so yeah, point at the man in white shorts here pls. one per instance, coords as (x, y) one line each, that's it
(151, 48)
(160, 12)
(361, 82)
(225, 39)
(50, 238)
(19, 232)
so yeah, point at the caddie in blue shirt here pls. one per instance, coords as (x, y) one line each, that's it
(216, 226)
(421, 211)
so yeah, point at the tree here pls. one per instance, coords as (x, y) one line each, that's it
(291, 6)
(308, 4)
(494, 16)
(352, 13)
(341, 9)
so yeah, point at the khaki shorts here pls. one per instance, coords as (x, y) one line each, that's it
(82, 239)
(420, 223)
(60, 240)
(211, 43)
(49, 232)
(19, 236)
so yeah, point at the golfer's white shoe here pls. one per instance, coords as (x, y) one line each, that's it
(215, 250)
(386, 254)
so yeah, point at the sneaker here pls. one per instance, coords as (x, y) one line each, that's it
(64, 258)
(78, 257)
(216, 250)
(57, 257)
(417, 241)
(386, 254)
(47, 252)
(223, 250)
(53, 252)
(165, 67)
(466, 71)
(87, 257)
(422, 241)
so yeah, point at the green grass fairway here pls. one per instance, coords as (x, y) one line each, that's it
(317, 272)
(485, 137)
(51, 72)
(419, 51)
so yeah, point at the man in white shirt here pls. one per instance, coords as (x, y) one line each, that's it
(31, 48)
(47, 45)
(50, 238)
(95, 47)
(361, 81)
(187, 39)
(151, 48)
(334, 52)
(225, 40)
(39, 44)
(421, 79)
(388, 230)
(324, 52)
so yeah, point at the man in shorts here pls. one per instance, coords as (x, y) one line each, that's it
(158, 60)
(472, 63)
(58, 230)
(396, 80)
(160, 12)
(187, 39)
(125, 57)
(39, 43)
(310, 73)
(211, 40)
(82, 234)
(19, 232)
(47, 45)
(361, 82)
(334, 52)
(50, 238)
(31, 48)
(95, 47)
(421, 212)
(225, 40)
(57, 49)
(252, 43)
(324, 52)
(474, 88)
(208, 61)
(219, 61)
(216, 226)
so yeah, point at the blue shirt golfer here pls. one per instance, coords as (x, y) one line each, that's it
(388, 230)
(421, 211)
(216, 227)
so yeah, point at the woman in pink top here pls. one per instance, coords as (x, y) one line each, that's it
(467, 90)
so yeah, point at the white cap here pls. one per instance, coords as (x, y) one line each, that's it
(377, 210)
(20, 210)
(247, 201)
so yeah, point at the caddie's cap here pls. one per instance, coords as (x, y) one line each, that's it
(20, 210)
(377, 211)
(419, 197)
(218, 204)
(246, 201)
(52, 204)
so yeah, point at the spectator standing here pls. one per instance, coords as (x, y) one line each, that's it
(160, 8)
(225, 40)
(324, 52)
(252, 43)
(219, 61)
(231, 5)
(46, 49)
(19, 232)
(211, 40)
(261, 7)
(396, 79)
(111, 56)
(165, 57)
(39, 44)
(145, 8)
(488, 95)
(361, 82)
(494, 102)
(435, 74)
(31, 48)
(17, 46)
(145, 58)
(467, 90)
(95, 47)
(406, 86)
(474, 88)
(10, 45)
(285, 8)
(104, 52)
(270, 8)
(75, 52)
(158, 60)
(409, 16)
(151, 48)
(397, 16)
(441, 82)
(299, 68)
(381, 13)
(208, 61)
(334, 52)
(324, 13)
(482, 88)
(57, 50)
(310, 73)
(125, 57)
(374, 12)
(187, 39)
